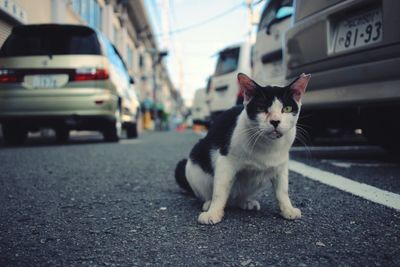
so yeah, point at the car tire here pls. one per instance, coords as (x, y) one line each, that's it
(131, 130)
(62, 135)
(387, 136)
(113, 129)
(380, 128)
(14, 135)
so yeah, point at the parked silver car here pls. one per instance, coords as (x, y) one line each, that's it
(267, 52)
(352, 49)
(66, 77)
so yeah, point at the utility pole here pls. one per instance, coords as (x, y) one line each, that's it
(165, 26)
(156, 57)
(250, 15)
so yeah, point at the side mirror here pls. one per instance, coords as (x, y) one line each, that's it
(131, 80)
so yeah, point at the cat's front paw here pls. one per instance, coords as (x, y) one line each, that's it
(210, 217)
(291, 213)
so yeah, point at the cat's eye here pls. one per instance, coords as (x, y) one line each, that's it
(287, 109)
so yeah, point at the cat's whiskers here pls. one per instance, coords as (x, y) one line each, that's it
(247, 130)
(305, 116)
(248, 133)
(303, 137)
(303, 131)
(252, 136)
(260, 134)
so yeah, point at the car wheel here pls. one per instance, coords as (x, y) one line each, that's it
(386, 136)
(14, 135)
(131, 130)
(113, 130)
(380, 129)
(62, 135)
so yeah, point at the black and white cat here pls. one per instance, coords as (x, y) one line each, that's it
(245, 150)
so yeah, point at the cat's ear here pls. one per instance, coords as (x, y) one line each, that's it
(248, 87)
(298, 87)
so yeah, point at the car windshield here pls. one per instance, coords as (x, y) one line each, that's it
(50, 40)
(274, 12)
(227, 61)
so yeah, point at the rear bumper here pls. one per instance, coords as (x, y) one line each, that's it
(342, 87)
(371, 94)
(73, 122)
(19, 103)
(81, 109)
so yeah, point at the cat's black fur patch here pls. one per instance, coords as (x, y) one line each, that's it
(218, 137)
(264, 96)
(180, 176)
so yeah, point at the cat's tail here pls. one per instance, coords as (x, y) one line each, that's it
(180, 176)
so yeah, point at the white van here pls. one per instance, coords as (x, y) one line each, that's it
(224, 88)
(200, 110)
(267, 55)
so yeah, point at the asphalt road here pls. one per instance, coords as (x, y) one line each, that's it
(91, 203)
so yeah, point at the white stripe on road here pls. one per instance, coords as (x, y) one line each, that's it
(350, 164)
(332, 148)
(365, 191)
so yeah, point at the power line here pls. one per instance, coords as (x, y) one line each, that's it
(206, 21)
(258, 2)
(153, 5)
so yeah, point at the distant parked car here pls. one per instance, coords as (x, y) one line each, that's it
(267, 54)
(132, 110)
(66, 77)
(224, 89)
(352, 49)
(200, 109)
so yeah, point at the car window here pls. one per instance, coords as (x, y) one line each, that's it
(50, 40)
(274, 12)
(227, 61)
(284, 12)
(208, 86)
(114, 57)
(119, 61)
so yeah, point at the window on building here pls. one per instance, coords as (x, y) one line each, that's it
(76, 6)
(115, 36)
(90, 11)
(129, 56)
(141, 61)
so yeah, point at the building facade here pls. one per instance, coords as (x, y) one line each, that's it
(124, 22)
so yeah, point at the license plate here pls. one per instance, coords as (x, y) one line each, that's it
(358, 31)
(44, 81)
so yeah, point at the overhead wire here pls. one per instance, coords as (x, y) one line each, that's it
(206, 21)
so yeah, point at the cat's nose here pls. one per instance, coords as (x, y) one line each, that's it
(275, 123)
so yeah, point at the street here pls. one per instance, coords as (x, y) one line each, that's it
(89, 203)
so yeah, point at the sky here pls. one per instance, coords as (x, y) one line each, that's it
(194, 44)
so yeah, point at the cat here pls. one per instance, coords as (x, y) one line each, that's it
(245, 150)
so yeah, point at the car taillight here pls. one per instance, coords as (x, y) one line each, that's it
(90, 74)
(8, 76)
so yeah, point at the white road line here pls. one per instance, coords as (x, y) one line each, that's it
(332, 148)
(362, 190)
(350, 164)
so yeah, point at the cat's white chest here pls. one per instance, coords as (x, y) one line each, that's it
(261, 159)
